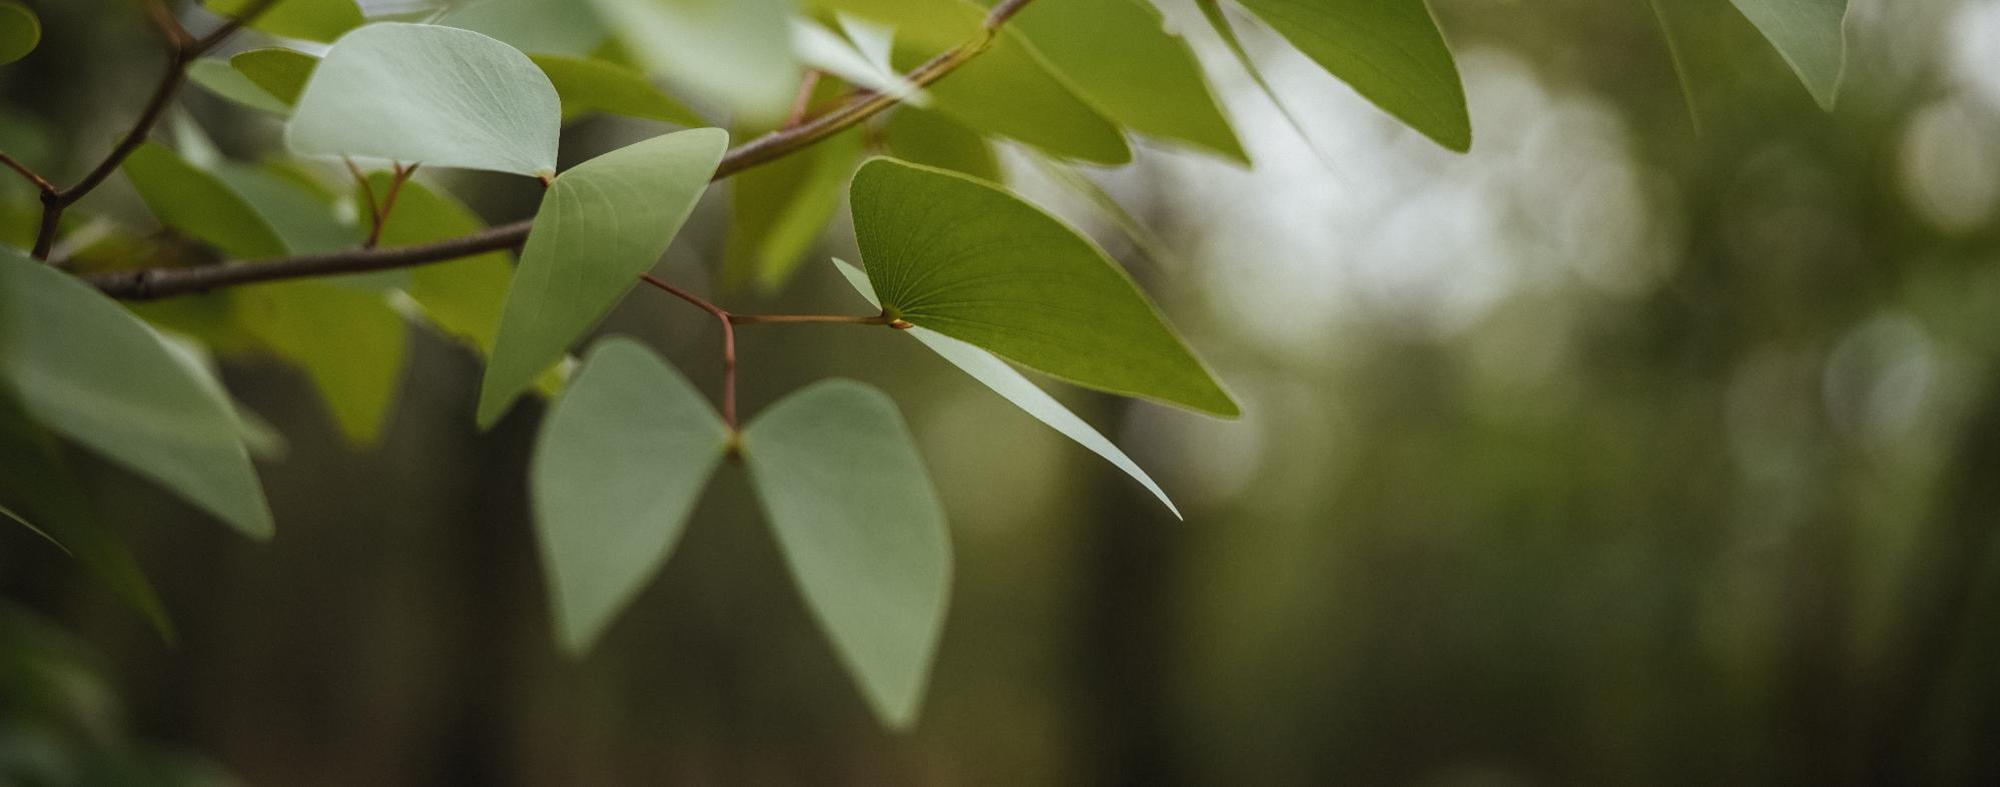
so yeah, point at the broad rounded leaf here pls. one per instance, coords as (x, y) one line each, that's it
(975, 263)
(601, 224)
(217, 76)
(1389, 51)
(620, 463)
(428, 94)
(1121, 59)
(282, 73)
(588, 86)
(200, 204)
(1810, 36)
(20, 31)
(310, 20)
(736, 54)
(994, 373)
(861, 530)
(79, 364)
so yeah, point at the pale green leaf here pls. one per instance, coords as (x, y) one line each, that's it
(779, 209)
(1121, 59)
(553, 27)
(968, 260)
(311, 20)
(861, 530)
(1811, 37)
(304, 219)
(601, 224)
(620, 463)
(428, 94)
(216, 76)
(994, 373)
(736, 54)
(79, 364)
(933, 140)
(282, 73)
(1389, 51)
(588, 86)
(199, 204)
(20, 31)
(1006, 90)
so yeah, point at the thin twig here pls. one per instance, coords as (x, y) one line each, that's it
(41, 184)
(728, 343)
(154, 283)
(396, 181)
(802, 103)
(367, 193)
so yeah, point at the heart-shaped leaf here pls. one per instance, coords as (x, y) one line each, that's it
(1122, 60)
(862, 531)
(20, 31)
(1811, 37)
(79, 364)
(620, 463)
(1010, 385)
(976, 263)
(601, 224)
(429, 94)
(1389, 51)
(737, 54)
(310, 20)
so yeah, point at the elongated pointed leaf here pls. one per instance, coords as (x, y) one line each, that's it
(1810, 36)
(282, 73)
(588, 86)
(1389, 51)
(310, 20)
(737, 54)
(20, 31)
(931, 139)
(541, 27)
(975, 263)
(621, 461)
(601, 225)
(1010, 385)
(216, 76)
(1121, 59)
(200, 204)
(79, 364)
(862, 531)
(429, 94)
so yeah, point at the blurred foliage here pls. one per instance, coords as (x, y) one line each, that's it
(1616, 452)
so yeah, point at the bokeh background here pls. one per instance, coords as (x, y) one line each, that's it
(1642, 445)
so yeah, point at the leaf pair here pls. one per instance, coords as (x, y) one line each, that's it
(624, 455)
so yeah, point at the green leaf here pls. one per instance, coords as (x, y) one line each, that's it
(736, 54)
(601, 224)
(778, 210)
(1140, 76)
(427, 94)
(311, 20)
(557, 27)
(20, 31)
(933, 140)
(1006, 90)
(588, 86)
(199, 204)
(37, 484)
(1811, 37)
(620, 463)
(463, 297)
(79, 364)
(1389, 51)
(350, 342)
(861, 530)
(216, 76)
(975, 263)
(306, 221)
(994, 373)
(282, 73)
